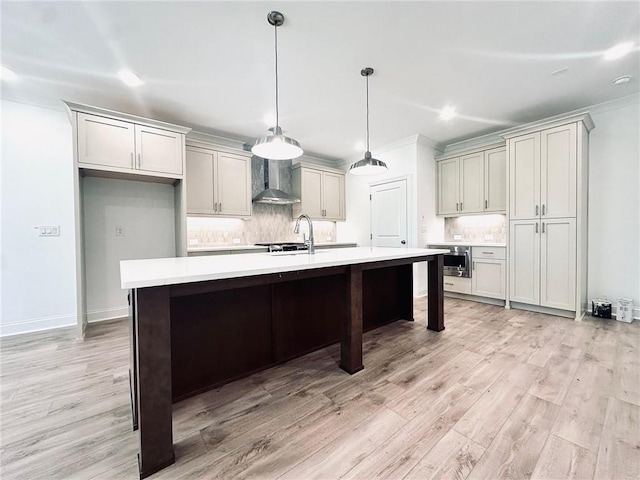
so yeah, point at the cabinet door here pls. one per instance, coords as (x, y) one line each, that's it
(333, 196)
(488, 278)
(558, 172)
(311, 189)
(159, 150)
(524, 176)
(199, 181)
(104, 141)
(558, 263)
(233, 184)
(524, 261)
(448, 186)
(495, 180)
(472, 183)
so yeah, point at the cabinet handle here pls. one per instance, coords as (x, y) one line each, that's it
(542, 227)
(450, 284)
(220, 207)
(139, 161)
(474, 265)
(543, 209)
(132, 160)
(488, 253)
(537, 211)
(486, 204)
(460, 206)
(215, 207)
(456, 206)
(536, 227)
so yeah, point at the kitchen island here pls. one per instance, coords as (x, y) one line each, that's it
(199, 322)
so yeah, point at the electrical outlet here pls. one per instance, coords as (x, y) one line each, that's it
(457, 237)
(49, 231)
(119, 231)
(236, 241)
(193, 241)
(488, 237)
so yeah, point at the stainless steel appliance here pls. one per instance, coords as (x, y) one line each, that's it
(457, 263)
(284, 246)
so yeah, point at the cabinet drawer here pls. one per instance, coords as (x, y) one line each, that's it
(457, 284)
(497, 253)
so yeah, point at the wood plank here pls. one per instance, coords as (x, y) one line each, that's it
(566, 460)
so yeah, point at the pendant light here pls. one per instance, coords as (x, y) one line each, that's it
(276, 146)
(368, 165)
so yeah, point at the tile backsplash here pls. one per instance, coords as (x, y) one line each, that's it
(269, 223)
(476, 228)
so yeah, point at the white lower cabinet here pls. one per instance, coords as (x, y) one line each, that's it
(488, 274)
(457, 285)
(542, 266)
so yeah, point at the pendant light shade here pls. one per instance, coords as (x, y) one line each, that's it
(276, 146)
(368, 165)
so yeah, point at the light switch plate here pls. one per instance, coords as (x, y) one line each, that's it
(488, 237)
(49, 230)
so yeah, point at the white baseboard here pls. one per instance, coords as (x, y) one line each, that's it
(107, 314)
(37, 324)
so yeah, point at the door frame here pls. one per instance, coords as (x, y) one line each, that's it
(410, 208)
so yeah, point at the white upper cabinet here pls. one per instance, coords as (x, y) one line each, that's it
(524, 176)
(543, 174)
(320, 190)
(558, 152)
(105, 141)
(448, 187)
(121, 146)
(495, 180)
(158, 150)
(218, 182)
(472, 183)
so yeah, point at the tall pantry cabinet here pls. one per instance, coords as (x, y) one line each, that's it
(548, 181)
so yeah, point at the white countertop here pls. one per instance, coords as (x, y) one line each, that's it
(170, 271)
(249, 248)
(471, 244)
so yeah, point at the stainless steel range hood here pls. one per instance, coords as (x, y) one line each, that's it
(274, 196)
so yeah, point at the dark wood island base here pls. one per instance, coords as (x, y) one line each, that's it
(190, 337)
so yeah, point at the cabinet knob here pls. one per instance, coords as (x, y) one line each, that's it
(403, 242)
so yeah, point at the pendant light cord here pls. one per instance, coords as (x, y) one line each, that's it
(367, 77)
(276, 43)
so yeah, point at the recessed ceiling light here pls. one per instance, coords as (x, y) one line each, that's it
(7, 74)
(447, 113)
(622, 80)
(129, 78)
(618, 51)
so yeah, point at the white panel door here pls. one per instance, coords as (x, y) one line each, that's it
(448, 186)
(158, 150)
(524, 263)
(389, 214)
(200, 181)
(495, 180)
(488, 278)
(332, 195)
(232, 180)
(104, 141)
(524, 176)
(312, 193)
(558, 172)
(472, 183)
(558, 263)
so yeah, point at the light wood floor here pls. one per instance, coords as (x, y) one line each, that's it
(498, 394)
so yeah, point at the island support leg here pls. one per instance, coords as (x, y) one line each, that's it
(153, 342)
(351, 339)
(435, 300)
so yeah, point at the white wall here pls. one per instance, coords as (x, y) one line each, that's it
(37, 273)
(145, 211)
(614, 203)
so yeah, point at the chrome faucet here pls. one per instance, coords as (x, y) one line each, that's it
(309, 241)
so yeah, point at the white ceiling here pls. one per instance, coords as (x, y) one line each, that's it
(210, 65)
